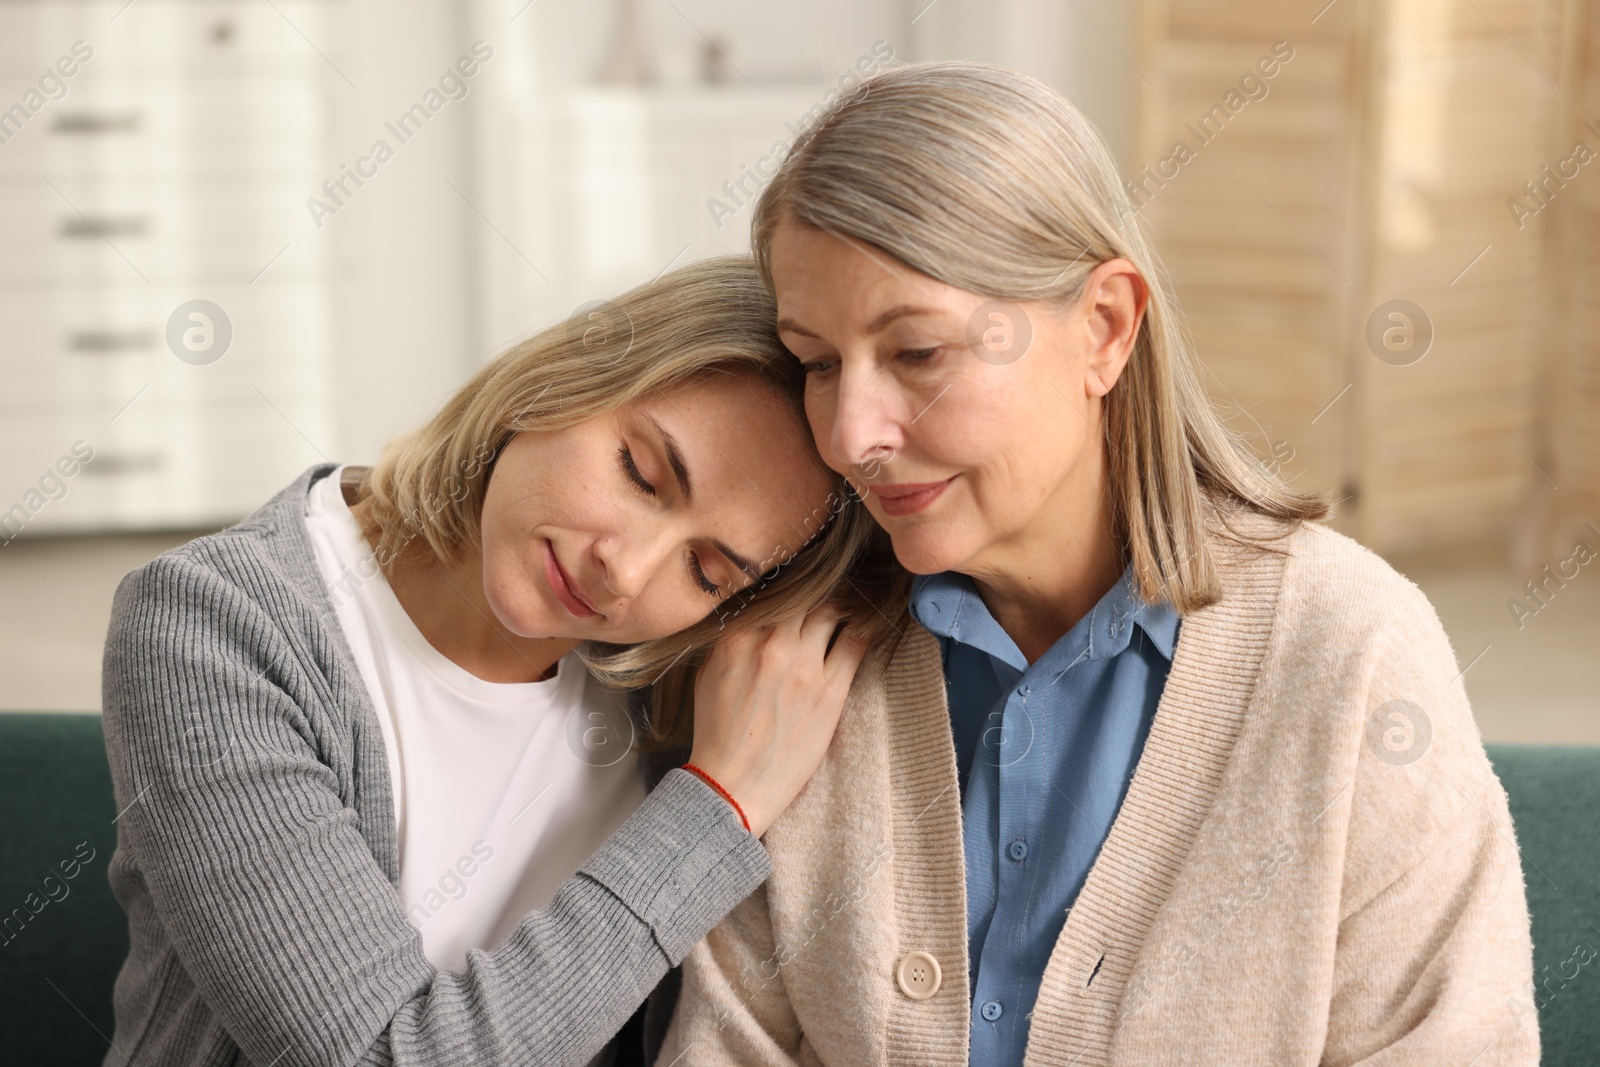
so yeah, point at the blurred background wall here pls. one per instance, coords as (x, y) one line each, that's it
(240, 238)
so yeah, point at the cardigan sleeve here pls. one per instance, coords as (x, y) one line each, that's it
(732, 1010)
(260, 895)
(1434, 953)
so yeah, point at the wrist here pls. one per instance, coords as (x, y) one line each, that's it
(720, 791)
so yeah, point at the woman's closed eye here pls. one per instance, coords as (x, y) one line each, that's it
(631, 470)
(698, 573)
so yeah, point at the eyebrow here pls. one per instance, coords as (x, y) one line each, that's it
(674, 459)
(900, 311)
(680, 471)
(788, 325)
(737, 560)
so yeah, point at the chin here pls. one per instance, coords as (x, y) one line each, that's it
(924, 549)
(524, 624)
(525, 617)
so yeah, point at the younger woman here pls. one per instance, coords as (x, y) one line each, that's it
(377, 806)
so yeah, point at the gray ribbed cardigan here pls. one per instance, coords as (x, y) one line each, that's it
(256, 847)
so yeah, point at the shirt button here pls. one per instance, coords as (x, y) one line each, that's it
(1018, 850)
(992, 1010)
(918, 975)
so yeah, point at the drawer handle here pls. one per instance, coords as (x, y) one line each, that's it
(109, 341)
(110, 464)
(97, 122)
(107, 226)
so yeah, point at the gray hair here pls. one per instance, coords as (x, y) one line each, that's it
(991, 181)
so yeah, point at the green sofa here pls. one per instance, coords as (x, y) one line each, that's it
(62, 939)
(63, 936)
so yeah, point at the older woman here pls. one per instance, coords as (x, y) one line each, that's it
(377, 805)
(1165, 771)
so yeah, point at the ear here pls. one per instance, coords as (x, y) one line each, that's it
(1113, 305)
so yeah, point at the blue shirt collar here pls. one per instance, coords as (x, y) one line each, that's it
(948, 605)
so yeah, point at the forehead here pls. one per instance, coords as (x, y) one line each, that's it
(754, 470)
(823, 277)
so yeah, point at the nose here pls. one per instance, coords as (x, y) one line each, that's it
(629, 558)
(865, 414)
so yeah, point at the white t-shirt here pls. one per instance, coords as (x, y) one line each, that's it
(501, 790)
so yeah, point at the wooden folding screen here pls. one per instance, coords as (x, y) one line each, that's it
(1572, 439)
(1330, 186)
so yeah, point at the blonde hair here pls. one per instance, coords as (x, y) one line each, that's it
(715, 317)
(991, 181)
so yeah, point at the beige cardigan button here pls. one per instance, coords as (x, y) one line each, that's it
(919, 975)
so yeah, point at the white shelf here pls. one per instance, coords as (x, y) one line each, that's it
(175, 166)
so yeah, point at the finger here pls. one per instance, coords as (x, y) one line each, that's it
(839, 675)
(844, 658)
(817, 629)
(833, 638)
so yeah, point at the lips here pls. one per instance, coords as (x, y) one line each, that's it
(907, 498)
(565, 589)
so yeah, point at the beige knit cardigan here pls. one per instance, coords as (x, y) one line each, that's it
(1314, 862)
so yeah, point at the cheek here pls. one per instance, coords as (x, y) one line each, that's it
(1014, 448)
(508, 558)
(970, 427)
(575, 494)
(497, 548)
(513, 578)
(664, 609)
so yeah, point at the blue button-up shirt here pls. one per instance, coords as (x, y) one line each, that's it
(1045, 753)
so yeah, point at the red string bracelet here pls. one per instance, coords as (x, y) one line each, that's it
(713, 783)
